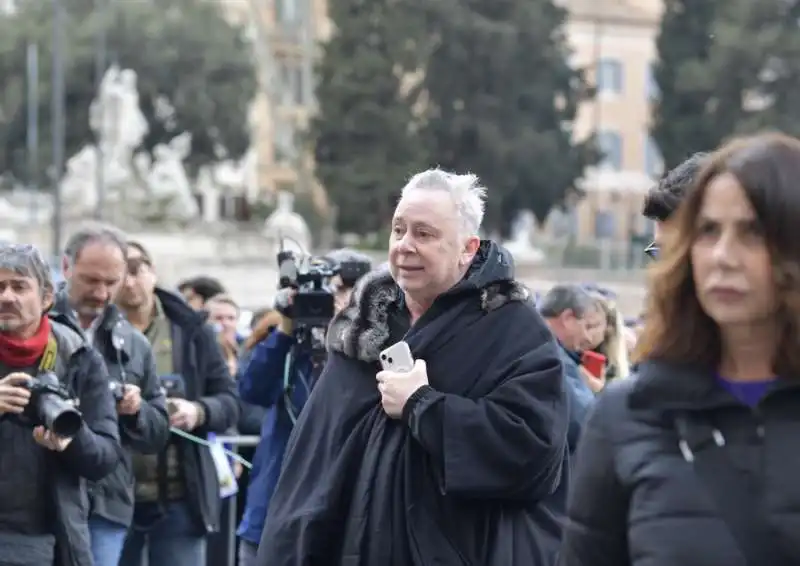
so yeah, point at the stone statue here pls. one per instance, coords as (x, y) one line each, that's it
(132, 181)
(520, 243)
(287, 228)
(240, 177)
(78, 185)
(119, 127)
(167, 183)
(115, 116)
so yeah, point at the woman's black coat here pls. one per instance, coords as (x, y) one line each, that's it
(636, 499)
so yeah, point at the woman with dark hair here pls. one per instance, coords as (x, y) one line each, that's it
(693, 461)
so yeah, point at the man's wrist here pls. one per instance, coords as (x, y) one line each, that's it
(201, 413)
(414, 400)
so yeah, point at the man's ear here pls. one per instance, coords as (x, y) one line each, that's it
(65, 266)
(47, 300)
(470, 249)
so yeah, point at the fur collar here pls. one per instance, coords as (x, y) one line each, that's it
(361, 330)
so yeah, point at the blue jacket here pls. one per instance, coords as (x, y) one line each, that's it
(262, 383)
(581, 397)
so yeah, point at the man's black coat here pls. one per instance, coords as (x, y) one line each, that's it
(479, 477)
(198, 358)
(129, 359)
(95, 451)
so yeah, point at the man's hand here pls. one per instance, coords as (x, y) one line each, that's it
(396, 388)
(14, 396)
(184, 414)
(283, 304)
(49, 440)
(596, 384)
(131, 400)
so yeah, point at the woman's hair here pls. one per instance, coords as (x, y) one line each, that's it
(677, 329)
(266, 324)
(614, 346)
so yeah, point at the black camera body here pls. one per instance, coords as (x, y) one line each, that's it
(173, 385)
(351, 271)
(51, 406)
(117, 389)
(313, 305)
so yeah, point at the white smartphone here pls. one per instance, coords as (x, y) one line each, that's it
(397, 357)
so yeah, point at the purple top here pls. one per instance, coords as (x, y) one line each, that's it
(748, 392)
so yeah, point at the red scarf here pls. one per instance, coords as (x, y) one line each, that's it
(17, 353)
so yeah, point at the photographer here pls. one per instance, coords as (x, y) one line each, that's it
(177, 491)
(95, 268)
(47, 447)
(280, 376)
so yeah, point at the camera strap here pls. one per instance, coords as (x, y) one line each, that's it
(48, 362)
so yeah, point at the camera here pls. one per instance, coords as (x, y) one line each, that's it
(117, 389)
(313, 305)
(351, 271)
(51, 406)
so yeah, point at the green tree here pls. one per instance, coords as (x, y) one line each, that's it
(683, 120)
(183, 51)
(761, 73)
(364, 137)
(501, 99)
(725, 68)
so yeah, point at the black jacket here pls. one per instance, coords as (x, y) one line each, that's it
(129, 359)
(637, 501)
(93, 454)
(476, 475)
(199, 359)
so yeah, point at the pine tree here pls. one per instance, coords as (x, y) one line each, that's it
(364, 137)
(684, 116)
(502, 97)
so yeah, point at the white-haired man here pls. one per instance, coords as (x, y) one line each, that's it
(459, 461)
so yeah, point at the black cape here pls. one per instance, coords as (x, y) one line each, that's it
(482, 481)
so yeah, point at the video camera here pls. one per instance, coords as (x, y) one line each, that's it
(51, 406)
(313, 305)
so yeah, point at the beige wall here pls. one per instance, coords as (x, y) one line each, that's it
(614, 41)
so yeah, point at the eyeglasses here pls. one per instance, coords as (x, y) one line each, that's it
(652, 250)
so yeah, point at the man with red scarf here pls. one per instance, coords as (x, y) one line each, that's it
(43, 510)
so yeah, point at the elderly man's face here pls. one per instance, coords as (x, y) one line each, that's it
(22, 302)
(427, 251)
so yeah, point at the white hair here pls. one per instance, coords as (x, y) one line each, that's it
(466, 191)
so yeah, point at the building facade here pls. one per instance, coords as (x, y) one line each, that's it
(285, 35)
(614, 41)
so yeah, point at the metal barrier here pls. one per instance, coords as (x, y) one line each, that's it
(227, 530)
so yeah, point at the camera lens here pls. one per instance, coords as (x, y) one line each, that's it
(383, 356)
(390, 360)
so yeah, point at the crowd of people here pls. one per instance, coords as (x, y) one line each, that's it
(522, 430)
